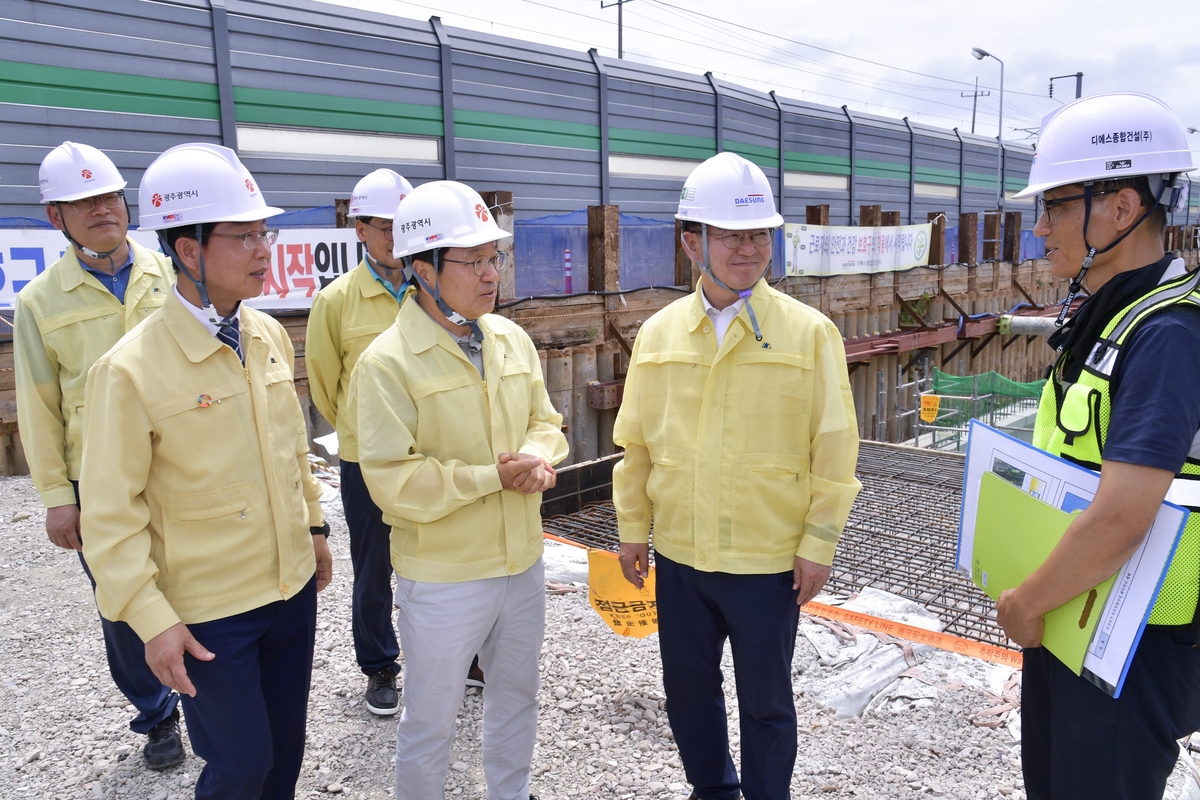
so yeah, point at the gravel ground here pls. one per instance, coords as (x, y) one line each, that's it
(602, 729)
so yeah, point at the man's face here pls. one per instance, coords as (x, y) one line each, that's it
(467, 293)
(376, 234)
(1062, 224)
(733, 256)
(234, 272)
(102, 228)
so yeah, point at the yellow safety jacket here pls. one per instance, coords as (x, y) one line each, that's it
(430, 432)
(743, 455)
(65, 320)
(1072, 422)
(197, 493)
(346, 316)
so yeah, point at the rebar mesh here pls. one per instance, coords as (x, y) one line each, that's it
(901, 537)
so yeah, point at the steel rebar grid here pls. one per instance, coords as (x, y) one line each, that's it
(901, 537)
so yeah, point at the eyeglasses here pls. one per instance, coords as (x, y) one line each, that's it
(481, 264)
(732, 240)
(1042, 206)
(385, 230)
(110, 200)
(252, 239)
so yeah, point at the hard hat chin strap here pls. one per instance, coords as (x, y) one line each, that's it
(87, 251)
(1092, 252)
(436, 293)
(742, 293)
(206, 305)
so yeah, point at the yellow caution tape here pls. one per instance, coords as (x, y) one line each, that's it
(942, 641)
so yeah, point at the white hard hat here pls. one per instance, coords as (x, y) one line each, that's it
(73, 171)
(1108, 137)
(195, 183)
(442, 214)
(378, 194)
(729, 192)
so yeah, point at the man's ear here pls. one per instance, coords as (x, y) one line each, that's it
(691, 245)
(1127, 208)
(425, 270)
(188, 250)
(54, 215)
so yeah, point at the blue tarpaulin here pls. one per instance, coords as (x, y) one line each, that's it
(647, 253)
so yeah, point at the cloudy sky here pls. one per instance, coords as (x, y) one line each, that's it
(888, 58)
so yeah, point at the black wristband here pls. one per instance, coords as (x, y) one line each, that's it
(323, 530)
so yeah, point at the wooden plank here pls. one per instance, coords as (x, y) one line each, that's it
(937, 238)
(968, 238)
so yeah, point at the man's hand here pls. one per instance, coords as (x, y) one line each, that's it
(324, 561)
(62, 525)
(635, 562)
(514, 470)
(164, 655)
(808, 577)
(1022, 627)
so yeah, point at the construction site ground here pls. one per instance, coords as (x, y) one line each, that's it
(603, 731)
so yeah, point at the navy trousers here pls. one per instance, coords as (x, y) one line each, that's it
(375, 644)
(697, 611)
(1077, 743)
(127, 665)
(247, 720)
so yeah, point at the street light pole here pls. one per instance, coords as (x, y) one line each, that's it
(981, 54)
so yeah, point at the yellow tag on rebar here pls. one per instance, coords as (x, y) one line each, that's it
(930, 403)
(627, 610)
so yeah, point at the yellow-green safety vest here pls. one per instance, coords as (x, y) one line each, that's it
(1072, 422)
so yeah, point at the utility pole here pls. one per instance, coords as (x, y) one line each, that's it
(1078, 76)
(975, 95)
(620, 4)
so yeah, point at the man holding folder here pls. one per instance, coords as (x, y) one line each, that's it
(1123, 398)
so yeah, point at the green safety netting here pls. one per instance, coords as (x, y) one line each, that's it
(988, 383)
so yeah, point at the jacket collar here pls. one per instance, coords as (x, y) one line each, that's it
(364, 278)
(195, 341)
(760, 300)
(421, 332)
(75, 275)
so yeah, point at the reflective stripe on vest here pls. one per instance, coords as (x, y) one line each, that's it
(1072, 422)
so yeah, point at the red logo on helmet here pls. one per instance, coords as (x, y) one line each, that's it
(249, 185)
(87, 174)
(156, 199)
(481, 212)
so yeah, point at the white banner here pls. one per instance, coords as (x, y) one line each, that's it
(303, 261)
(845, 250)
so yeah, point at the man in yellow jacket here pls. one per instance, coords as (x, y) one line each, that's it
(346, 316)
(740, 443)
(66, 318)
(456, 439)
(201, 519)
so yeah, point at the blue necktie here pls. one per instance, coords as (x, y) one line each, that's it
(228, 333)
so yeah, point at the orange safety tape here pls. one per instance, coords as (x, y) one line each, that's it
(942, 641)
(911, 633)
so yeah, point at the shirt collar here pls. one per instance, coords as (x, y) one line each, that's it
(199, 314)
(388, 286)
(127, 265)
(710, 309)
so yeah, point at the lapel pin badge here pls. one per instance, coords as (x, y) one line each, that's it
(204, 400)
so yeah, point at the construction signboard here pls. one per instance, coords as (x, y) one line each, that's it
(846, 250)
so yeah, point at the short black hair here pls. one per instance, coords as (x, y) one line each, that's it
(1140, 184)
(428, 256)
(691, 226)
(173, 235)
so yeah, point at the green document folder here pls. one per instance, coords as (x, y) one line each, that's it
(1014, 534)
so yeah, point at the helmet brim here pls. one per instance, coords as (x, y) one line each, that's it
(253, 215)
(72, 196)
(773, 221)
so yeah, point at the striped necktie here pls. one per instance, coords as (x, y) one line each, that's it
(229, 333)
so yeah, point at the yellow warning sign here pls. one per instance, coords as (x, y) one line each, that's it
(930, 403)
(627, 610)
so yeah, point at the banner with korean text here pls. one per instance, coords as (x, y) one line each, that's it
(845, 250)
(303, 261)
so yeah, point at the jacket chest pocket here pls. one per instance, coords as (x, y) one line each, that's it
(771, 384)
(450, 410)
